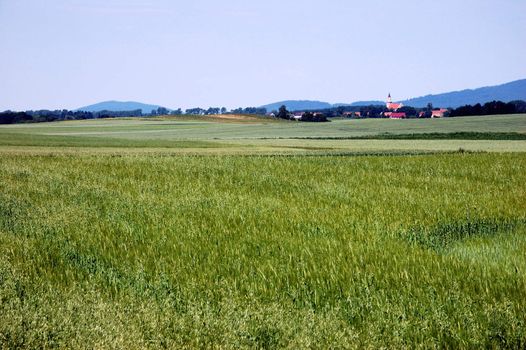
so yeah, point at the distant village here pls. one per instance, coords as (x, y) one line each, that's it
(392, 110)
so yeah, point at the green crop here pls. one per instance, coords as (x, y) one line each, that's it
(125, 250)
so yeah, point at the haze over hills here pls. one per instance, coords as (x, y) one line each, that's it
(293, 105)
(515, 90)
(360, 103)
(115, 106)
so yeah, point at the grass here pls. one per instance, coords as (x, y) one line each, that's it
(257, 135)
(192, 233)
(265, 252)
(43, 140)
(178, 128)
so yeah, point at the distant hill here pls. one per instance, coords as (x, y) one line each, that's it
(306, 105)
(367, 103)
(515, 90)
(359, 104)
(293, 105)
(116, 106)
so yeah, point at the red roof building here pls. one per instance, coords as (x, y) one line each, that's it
(391, 105)
(397, 115)
(439, 113)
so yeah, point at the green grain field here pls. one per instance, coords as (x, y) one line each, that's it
(136, 234)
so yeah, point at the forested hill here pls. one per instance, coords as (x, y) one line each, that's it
(293, 105)
(119, 106)
(508, 92)
(515, 90)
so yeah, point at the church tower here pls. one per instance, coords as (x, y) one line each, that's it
(392, 106)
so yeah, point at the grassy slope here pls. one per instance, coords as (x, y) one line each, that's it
(134, 252)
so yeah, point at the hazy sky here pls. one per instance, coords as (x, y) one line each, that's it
(71, 53)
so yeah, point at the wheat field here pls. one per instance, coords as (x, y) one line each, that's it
(138, 251)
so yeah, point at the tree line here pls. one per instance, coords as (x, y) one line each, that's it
(44, 115)
(373, 111)
(490, 108)
(223, 110)
(377, 111)
(40, 116)
(283, 113)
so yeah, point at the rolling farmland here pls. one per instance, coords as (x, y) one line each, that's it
(262, 234)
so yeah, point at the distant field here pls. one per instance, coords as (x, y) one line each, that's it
(171, 233)
(260, 135)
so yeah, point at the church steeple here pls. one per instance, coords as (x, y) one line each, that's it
(389, 99)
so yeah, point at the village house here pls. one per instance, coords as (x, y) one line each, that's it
(439, 113)
(297, 115)
(395, 115)
(436, 113)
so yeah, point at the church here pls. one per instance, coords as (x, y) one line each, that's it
(393, 109)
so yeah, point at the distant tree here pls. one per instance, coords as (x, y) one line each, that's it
(255, 110)
(212, 111)
(372, 111)
(313, 117)
(490, 108)
(283, 113)
(429, 107)
(177, 111)
(195, 111)
(43, 115)
(9, 117)
(162, 111)
(519, 106)
(409, 111)
(223, 110)
(498, 107)
(477, 109)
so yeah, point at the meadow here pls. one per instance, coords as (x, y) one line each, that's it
(258, 136)
(225, 239)
(209, 128)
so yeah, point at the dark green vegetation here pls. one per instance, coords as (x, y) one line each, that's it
(234, 252)
(431, 136)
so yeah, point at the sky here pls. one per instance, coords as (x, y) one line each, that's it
(57, 54)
